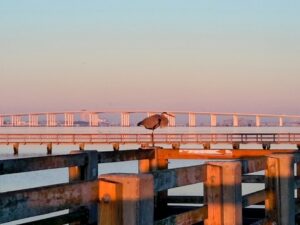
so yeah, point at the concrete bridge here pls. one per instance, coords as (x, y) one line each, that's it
(129, 118)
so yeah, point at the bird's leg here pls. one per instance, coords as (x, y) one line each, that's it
(152, 138)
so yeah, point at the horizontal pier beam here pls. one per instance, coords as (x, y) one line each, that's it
(19, 165)
(37, 201)
(126, 155)
(192, 216)
(166, 179)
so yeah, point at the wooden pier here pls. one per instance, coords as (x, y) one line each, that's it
(142, 198)
(174, 139)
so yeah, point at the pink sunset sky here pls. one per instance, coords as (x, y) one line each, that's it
(224, 56)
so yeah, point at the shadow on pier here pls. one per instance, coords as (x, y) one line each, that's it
(142, 198)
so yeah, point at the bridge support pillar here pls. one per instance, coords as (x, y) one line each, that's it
(16, 148)
(125, 119)
(116, 146)
(1, 121)
(49, 149)
(235, 120)
(81, 146)
(213, 120)
(236, 145)
(206, 146)
(281, 121)
(257, 121)
(192, 119)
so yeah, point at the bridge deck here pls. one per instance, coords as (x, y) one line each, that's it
(161, 138)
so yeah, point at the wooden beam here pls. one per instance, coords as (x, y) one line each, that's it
(187, 218)
(166, 179)
(37, 201)
(218, 154)
(19, 165)
(253, 165)
(253, 179)
(254, 198)
(126, 155)
(79, 216)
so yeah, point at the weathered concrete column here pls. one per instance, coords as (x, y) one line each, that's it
(16, 148)
(192, 119)
(49, 149)
(126, 199)
(213, 120)
(223, 193)
(89, 172)
(280, 183)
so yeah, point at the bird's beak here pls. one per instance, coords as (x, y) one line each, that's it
(170, 114)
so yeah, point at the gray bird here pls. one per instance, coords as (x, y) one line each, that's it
(155, 121)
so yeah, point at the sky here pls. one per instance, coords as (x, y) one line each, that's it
(223, 56)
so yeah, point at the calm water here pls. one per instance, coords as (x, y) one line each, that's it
(56, 176)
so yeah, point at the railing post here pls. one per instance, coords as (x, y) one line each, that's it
(159, 162)
(280, 182)
(89, 172)
(126, 199)
(223, 194)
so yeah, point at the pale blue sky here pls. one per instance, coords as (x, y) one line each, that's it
(233, 56)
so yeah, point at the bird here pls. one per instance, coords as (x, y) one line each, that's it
(155, 121)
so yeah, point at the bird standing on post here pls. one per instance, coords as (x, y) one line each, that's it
(155, 121)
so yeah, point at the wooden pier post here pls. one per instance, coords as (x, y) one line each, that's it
(89, 172)
(126, 199)
(280, 183)
(159, 162)
(223, 193)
